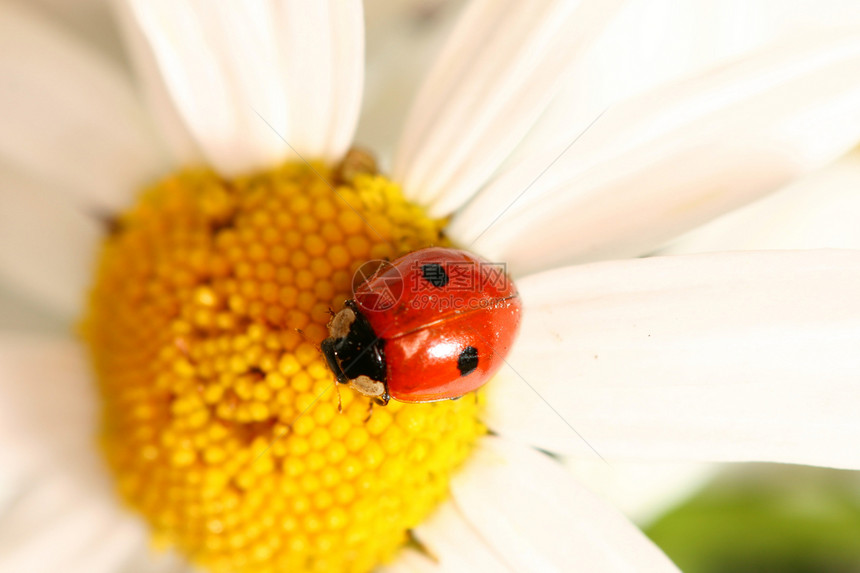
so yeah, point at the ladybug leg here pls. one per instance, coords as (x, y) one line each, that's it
(381, 400)
(304, 336)
(327, 348)
(339, 401)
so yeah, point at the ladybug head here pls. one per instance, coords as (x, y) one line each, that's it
(355, 354)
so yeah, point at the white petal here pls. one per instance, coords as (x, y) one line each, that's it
(44, 385)
(818, 211)
(253, 80)
(643, 491)
(146, 561)
(165, 115)
(20, 313)
(61, 515)
(411, 561)
(90, 19)
(70, 117)
(68, 520)
(735, 356)
(456, 544)
(653, 42)
(497, 73)
(534, 514)
(218, 73)
(46, 246)
(664, 162)
(85, 531)
(122, 537)
(402, 43)
(322, 45)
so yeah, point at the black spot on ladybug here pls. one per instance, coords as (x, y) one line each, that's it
(467, 361)
(435, 274)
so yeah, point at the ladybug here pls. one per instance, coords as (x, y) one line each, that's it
(432, 325)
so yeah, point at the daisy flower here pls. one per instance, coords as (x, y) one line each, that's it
(214, 233)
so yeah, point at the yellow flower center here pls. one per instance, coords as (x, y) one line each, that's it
(221, 421)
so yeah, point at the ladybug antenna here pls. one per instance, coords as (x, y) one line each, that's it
(339, 401)
(306, 339)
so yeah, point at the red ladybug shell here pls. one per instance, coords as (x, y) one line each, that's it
(451, 326)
